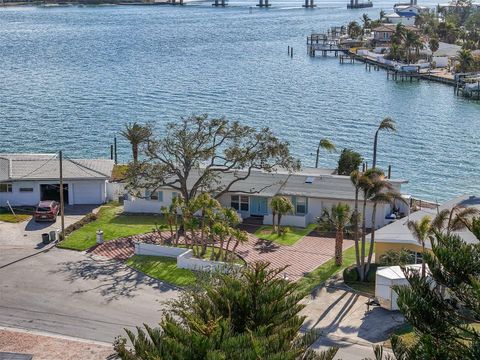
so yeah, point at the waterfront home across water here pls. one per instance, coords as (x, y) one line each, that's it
(27, 179)
(310, 190)
(397, 235)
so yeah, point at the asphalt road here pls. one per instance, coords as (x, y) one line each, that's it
(68, 293)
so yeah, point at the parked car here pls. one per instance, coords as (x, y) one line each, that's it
(46, 211)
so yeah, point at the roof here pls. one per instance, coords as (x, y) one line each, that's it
(398, 232)
(396, 272)
(308, 182)
(15, 167)
(392, 28)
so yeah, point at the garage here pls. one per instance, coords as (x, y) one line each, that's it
(52, 192)
(88, 192)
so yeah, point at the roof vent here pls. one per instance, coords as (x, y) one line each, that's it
(309, 180)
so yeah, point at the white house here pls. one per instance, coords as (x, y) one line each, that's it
(311, 190)
(395, 18)
(26, 179)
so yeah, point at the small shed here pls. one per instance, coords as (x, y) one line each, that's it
(385, 278)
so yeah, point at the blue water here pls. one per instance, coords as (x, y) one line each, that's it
(71, 77)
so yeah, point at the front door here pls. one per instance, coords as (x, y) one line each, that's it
(258, 206)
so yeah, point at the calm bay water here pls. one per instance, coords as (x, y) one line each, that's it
(71, 77)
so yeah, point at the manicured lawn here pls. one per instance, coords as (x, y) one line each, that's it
(208, 253)
(114, 225)
(289, 237)
(326, 271)
(162, 268)
(14, 219)
(7, 216)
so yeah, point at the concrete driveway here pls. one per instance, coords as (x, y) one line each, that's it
(23, 239)
(66, 292)
(342, 319)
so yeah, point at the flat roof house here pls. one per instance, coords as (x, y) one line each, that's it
(397, 236)
(311, 190)
(26, 179)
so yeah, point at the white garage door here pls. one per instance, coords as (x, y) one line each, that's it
(87, 193)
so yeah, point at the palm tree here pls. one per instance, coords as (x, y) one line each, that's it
(399, 34)
(374, 188)
(281, 206)
(326, 145)
(433, 44)
(412, 40)
(454, 219)
(366, 21)
(420, 231)
(465, 59)
(387, 124)
(136, 134)
(354, 30)
(355, 179)
(338, 218)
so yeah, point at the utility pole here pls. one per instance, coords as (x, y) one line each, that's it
(62, 209)
(115, 148)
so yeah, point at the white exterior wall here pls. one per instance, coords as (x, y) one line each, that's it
(139, 205)
(187, 261)
(79, 192)
(288, 220)
(115, 190)
(158, 250)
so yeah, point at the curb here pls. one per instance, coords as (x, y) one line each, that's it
(55, 336)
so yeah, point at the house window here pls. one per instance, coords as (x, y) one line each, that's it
(175, 194)
(385, 35)
(25, 189)
(155, 195)
(300, 205)
(5, 188)
(239, 202)
(416, 257)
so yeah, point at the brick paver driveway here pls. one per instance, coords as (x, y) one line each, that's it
(304, 256)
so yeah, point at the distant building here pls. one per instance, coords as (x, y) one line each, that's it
(382, 35)
(395, 18)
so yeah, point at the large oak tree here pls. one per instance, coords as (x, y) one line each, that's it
(201, 154)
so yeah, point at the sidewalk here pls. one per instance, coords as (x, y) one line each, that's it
(47, 347)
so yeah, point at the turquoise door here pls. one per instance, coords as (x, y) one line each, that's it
(258, 206)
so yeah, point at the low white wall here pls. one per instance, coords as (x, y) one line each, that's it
(115, 190)
(158, 250)
(287, 220)
(187, 261)
(142, 206)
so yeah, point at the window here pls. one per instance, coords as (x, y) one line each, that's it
(416, 257)
(156, 195)
(239, 202)
(25, 189)
(300, 205)
(175, 194)
(5, 188)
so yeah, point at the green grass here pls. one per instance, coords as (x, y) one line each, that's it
(162, 268)
(7, 216)
(14, 219)
(113, 224)
(326, 271)
(289, 237)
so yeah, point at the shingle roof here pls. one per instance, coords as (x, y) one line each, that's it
(46, 166)
(309, 182)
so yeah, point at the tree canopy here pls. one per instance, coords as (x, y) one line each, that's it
(348, 162)
(195, 153)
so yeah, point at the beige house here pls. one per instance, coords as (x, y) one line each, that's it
(397, 236)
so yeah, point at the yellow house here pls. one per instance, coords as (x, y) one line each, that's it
(397, 236)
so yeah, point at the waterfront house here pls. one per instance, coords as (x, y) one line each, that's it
(26, 179)
(382, 35)
(310, 190)
(397, 235)
(395, 18)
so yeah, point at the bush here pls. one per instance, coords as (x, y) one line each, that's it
(394, 257)
(80, 223)
(350, 274)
